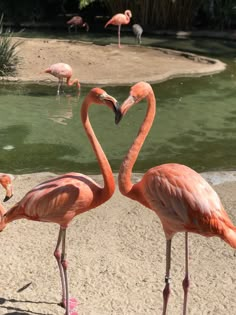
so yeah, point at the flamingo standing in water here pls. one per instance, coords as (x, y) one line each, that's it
(6, 182)
(60, 199)
(120, 19)
(77, 21)
(62, 70)
(181, 198)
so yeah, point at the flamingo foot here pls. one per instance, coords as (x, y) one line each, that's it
(72, 304)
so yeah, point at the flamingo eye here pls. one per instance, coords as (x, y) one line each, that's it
(135, 98)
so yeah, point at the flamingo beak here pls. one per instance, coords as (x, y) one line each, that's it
(118, 116)
(9, 193)
(7, 198)
(130, 101)
(117, 112)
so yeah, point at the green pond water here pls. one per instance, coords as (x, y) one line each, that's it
(195, 121)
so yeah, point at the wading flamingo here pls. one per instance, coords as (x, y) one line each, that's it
(77, 21)
(6, 182)
(181, 198)
(120, 19)
(62, 70)
(60, 199)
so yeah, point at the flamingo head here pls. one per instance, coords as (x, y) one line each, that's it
(128, 13)
(6, 182)
(99, 96)
(137, 92)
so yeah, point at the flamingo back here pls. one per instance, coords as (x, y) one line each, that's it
(57, 200)
(120, 18)
(60, 70)
(76, 20)
(184, 201)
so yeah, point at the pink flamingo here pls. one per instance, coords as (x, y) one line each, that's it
(6, 182)
(181, 198)
(120, 19)
(60, 199)
(62, 70)
(77, 21)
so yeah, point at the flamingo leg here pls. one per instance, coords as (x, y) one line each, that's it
(59, 85)
(64, 266)
(69, 303)
(186, 279)
(166, 291)
(119, 27)
(58, 257)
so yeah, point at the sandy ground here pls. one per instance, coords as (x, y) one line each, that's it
(116, 259)
(116, 252)
(102, 65)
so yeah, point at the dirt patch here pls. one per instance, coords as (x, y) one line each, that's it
(109, 65)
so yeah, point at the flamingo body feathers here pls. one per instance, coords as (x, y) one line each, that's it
(62, 71)
(57, 200)
(120, 18)
(78, 21)
(175, 191)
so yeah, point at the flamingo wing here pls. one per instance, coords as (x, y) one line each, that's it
(184, 201)
(57, 200)
(117, 19)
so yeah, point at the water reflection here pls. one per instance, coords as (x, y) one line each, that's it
(62, 110)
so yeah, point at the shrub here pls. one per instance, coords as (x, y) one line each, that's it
(8, 54)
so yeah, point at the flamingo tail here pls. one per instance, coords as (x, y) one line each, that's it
(48, 70)
(229, 236)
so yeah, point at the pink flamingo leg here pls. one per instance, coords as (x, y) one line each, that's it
(59, 86)
(68, 304)
(119, 27)
(57, 255)
(186, 279)
(166, 291)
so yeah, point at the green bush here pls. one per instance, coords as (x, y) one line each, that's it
(8, 54)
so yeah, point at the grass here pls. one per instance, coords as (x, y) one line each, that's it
(8, 52)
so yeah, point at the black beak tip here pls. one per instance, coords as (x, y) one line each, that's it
(118, 117)
(7, 198)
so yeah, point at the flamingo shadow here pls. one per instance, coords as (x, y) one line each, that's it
(19, 311)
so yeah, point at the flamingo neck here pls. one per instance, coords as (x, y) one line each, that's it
(109, 183)
(70, 82)
(125, 173)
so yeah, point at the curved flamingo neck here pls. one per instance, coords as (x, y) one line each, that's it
(124, 179)
(109, 183)
(70, 82)
(127, 18)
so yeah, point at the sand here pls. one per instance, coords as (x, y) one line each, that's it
(103, 65)
(116, 257)
(116, 252)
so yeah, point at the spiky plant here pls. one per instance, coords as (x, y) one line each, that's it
(8, 53)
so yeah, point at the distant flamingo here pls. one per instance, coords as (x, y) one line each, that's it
(62, 70)
(181, 198)
(120, 19)
(77, 21)
(60, 199)
(6, 182)
(138, 31)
